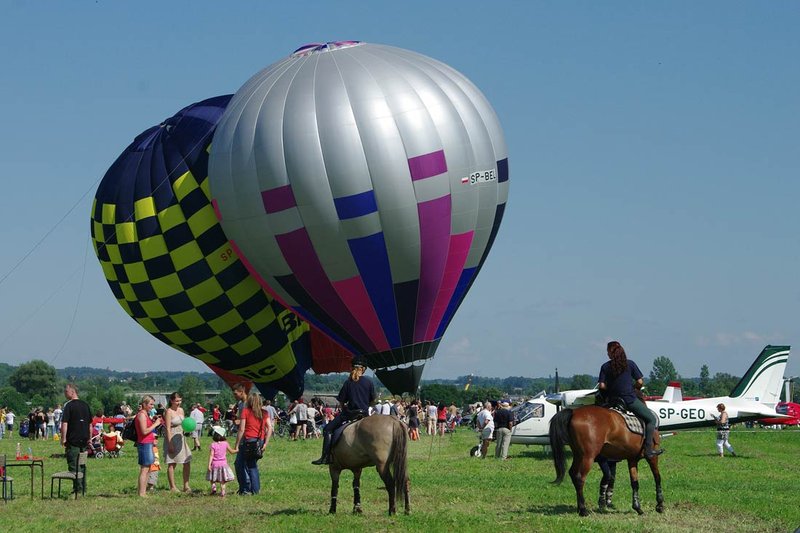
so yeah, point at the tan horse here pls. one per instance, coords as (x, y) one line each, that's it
(593, 431)
(377, 440)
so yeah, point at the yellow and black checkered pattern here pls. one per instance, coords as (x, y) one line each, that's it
(172, 269)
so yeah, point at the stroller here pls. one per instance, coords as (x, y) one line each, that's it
(95, 448)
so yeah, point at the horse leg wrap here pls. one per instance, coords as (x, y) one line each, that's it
(609, 496)
(601, 502)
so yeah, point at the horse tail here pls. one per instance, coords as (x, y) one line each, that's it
(559, 436)
(399, 456)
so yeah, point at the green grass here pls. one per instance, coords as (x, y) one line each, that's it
(449, 492)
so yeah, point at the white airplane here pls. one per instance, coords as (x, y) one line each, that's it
(754, 397)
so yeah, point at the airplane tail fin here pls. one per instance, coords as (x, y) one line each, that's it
(763, 381)
(673, 392)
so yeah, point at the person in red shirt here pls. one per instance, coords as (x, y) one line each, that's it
(254, 427)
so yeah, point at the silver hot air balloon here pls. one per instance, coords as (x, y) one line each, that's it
(363, 185)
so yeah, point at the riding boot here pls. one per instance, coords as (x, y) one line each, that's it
(648, 443)
(325, 458)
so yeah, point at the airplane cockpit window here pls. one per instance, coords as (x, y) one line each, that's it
(782, 409)
(529, 410)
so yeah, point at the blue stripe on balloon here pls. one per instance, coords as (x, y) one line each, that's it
(405, 294)
(356, 205)
(372, 261)
(455, 300)
(502, 170)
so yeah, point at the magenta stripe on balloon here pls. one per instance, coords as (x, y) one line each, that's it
(278, 199)
(217, 212)
(298, 251)
(427, 165)
(354, 295)
(456, 258)
(434, 230)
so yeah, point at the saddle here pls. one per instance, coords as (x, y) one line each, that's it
(634, 423)
(349, 418)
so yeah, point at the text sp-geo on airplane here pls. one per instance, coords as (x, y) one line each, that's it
(754, 397)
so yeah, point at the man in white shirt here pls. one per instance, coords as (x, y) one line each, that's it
(301, 410)
(197, 416)
(10, 421)
(312, 422)
(430, 418)
(485, 423)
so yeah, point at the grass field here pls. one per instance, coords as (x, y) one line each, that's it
(450, 491)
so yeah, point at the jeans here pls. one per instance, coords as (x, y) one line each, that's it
(79, 485)
(251, 466)
(242, 473)
(640, 409)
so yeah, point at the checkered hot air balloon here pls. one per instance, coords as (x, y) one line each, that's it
(363, 185)
(172, 269)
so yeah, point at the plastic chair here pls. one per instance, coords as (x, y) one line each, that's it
(72, 476)
(8, 493)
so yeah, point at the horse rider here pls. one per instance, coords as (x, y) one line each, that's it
(355, 397)
(618, 377)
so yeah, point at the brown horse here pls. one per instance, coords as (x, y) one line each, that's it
(593, 431)
(376, 440)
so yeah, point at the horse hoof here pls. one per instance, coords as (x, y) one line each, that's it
(583, 512)
(659, 508)
(357, 510)
(640, 512)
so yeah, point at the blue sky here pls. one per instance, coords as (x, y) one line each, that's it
(652, 148)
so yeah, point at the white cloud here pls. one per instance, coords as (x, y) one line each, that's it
(730, 339)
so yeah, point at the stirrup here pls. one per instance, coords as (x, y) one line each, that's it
(653, 453)
(324, 460)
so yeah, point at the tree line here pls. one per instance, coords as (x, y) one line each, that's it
(37, 383)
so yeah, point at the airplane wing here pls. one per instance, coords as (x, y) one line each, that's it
(573, 398)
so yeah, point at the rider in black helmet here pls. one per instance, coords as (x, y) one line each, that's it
(355, 397)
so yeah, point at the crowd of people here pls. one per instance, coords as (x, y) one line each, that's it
(163, 437)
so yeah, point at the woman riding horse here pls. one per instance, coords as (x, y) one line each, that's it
(355, 397)
(618, 377)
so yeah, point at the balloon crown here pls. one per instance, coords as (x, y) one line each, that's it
(314, 48)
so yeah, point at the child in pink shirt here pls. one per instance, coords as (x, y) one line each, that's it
(218, 469)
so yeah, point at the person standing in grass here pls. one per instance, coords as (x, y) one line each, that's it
(503, 422)
(485, 421)
(218, 469)
(155, 468)
(76, 432)
(145, 440)
(253, 429)
(199, 418)
(175, 446)
(723, 431)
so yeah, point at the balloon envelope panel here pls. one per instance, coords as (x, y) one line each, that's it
(171, 267)
(365, 185)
